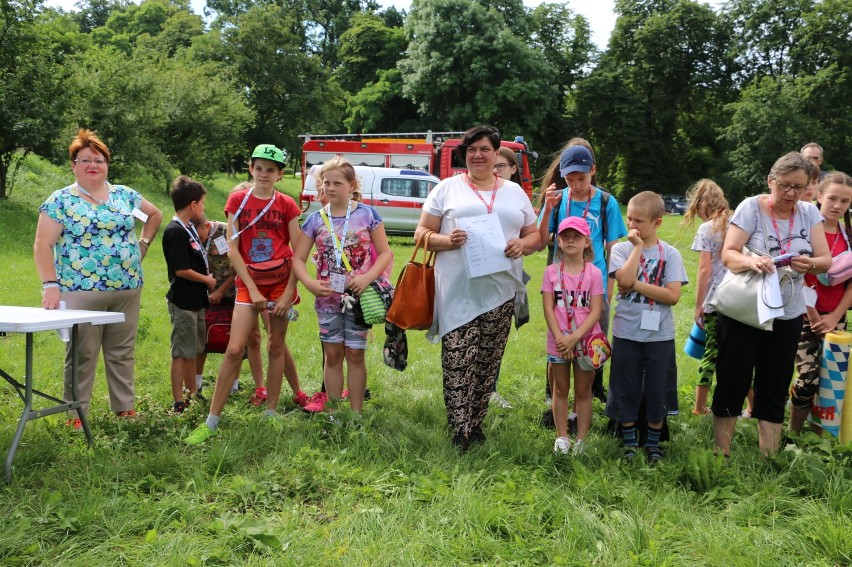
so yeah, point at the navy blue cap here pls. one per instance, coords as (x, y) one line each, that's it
(575, 158)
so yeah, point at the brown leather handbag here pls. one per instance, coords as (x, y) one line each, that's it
(414, 300)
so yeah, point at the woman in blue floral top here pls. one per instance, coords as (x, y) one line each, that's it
(88, 257)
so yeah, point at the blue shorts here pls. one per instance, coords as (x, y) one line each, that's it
(341, 328)
(556, 359)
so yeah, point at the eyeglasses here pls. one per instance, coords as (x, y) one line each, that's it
(783, 186)
(501, 166)
(85, 162)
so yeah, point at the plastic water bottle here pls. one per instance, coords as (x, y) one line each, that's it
(292, 314)
(64, 334)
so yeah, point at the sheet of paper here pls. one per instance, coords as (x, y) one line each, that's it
(484, 250)
(769, 295)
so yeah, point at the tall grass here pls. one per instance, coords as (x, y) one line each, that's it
(388, 488)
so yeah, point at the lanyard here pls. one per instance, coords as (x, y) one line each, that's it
(107, 203)
(659, 270)
(588, 204)
(210, 228)
(489, 206)
(193, 235)
(92, 197)
(784, 249)
(574, 299)
(254, 220)
(338, 244)
(840, 233)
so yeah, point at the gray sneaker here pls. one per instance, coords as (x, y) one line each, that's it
(499, 400)
(562, 446)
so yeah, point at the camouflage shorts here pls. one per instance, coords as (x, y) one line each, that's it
(808, 359)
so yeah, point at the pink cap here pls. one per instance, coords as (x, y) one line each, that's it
(577, 223)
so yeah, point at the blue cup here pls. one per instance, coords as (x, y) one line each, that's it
(694, 346)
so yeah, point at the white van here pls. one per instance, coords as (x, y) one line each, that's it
(397, 194)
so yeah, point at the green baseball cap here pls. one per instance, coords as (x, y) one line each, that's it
(270, 152)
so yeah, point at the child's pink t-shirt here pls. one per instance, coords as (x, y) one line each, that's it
(592, 285)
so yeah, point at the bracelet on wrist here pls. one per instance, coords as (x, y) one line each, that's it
(49, 284)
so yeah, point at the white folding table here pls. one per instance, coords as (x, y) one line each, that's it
(30, 320)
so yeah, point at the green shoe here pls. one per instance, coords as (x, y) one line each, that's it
(199, 435)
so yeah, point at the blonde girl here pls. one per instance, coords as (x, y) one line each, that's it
(707, 202)
(572, 295)
(343, 232)
(834, 196)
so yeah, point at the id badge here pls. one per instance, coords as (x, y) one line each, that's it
(810, 296)
(137, 212)
(222, 245)
(650, 320)
(337, 282)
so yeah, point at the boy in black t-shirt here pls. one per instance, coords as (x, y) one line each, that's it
(189, 282)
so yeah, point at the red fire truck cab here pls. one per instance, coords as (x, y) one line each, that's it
(428, 151)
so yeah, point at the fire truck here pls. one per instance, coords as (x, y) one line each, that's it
(427, 151)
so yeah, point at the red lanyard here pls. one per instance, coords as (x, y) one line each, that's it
(489, 206)
(588, 204)
(659, 270)
(574, 299)
(837, 236)
(784, 249)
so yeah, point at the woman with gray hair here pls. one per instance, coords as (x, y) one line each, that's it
(775, 224)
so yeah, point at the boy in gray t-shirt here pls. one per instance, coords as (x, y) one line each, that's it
(649, 274)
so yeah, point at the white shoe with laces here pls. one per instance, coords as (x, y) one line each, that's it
(499, 400)
(562, 446)
(579, 447)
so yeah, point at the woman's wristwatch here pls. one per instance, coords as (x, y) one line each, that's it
(145, 241)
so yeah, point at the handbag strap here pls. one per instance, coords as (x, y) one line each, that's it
(428, 255)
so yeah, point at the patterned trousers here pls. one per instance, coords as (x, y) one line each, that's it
(707, 365)
(470, 358)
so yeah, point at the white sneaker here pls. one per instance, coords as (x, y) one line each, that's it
(579, 447)
(562, 446)
(499, 400)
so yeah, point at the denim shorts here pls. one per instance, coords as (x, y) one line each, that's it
(556, 359)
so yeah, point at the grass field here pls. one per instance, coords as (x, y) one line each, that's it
(387, 489)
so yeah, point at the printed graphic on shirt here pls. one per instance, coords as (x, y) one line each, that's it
(261, 248)
(653, 269)
(583, 300)
(775, 246)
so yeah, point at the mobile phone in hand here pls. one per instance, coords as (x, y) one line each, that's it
(783, 259)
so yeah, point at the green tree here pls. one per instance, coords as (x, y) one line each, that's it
(205, 117)
(31, 103)
(653, 103)
(169, 22)
(767, 122)
(113, 94)
(766, 33)
(327, 21)
(798, 57)
(564, 40)
(380, 107)
(289, 91)
(464, 66)
(367, 47)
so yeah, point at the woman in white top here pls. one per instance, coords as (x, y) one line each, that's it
(473, 314)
